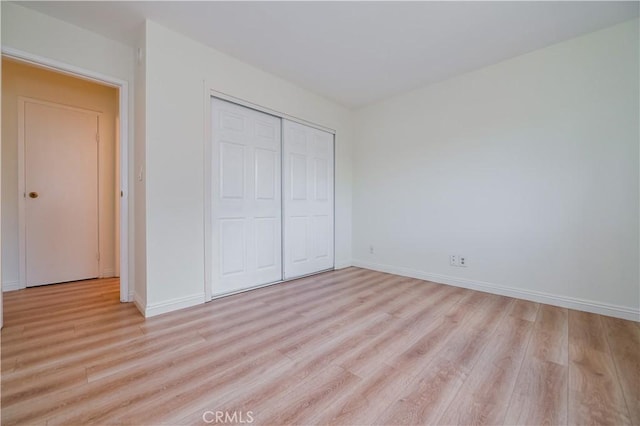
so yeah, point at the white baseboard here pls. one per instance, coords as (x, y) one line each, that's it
(140, 304)
(131, 297)
(170, 305)
(342, 264)
(11, 286)
(534, 296)
(108, 273)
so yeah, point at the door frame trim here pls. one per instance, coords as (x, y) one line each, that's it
(123, 138)
(229, 98)
(22, 205)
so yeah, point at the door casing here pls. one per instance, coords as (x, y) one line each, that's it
(126, 293)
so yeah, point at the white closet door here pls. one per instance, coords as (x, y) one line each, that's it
(308, 200)
(247, 212)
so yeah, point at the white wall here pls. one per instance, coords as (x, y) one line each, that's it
(176, 71)
(38, 34)
(528, 167)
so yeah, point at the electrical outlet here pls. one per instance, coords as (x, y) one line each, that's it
(462, 261)
(453, 260)
(370, 249)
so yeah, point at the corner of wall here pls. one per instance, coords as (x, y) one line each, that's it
(140, 304)
(139, 182)
(342, 264)
(151, 310)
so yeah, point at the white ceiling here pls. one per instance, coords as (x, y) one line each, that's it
(356, 52)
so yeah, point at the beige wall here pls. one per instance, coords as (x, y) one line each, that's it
(23, 80)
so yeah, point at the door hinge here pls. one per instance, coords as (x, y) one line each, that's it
(98, 256)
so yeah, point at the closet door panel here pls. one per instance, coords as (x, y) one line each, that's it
(308, 200)
(246, 210)
(267, 237)
(297, 245)
(232, 170)
(232, 244)
(320, 236)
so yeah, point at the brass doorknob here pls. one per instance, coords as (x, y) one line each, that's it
(33, 195)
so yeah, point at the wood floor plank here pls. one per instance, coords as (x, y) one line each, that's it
(342, 340)
(420, 352)
(88, 402)
(140, 353)
(63, 349)
(524, 309)
(147, 404)
(331, 323)
(208, 392)
(35, 385)
(476, 310)
(18, 335)
(484, 398)
(595, 394)
(260, 397)
(406, 332)
(309, 397)
(624, 344)
(540, 394)
(346, 347)
(550, 340)
(434, 388)
(368, 400)
(261, 385)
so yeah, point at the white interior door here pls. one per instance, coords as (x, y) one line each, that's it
(61, 194)
(247, 212)
(308, 200)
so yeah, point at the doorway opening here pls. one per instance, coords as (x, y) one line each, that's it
(64, 175)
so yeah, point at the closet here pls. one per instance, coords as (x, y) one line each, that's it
(272, 198)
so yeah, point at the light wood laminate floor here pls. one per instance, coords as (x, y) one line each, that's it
(345, 347)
